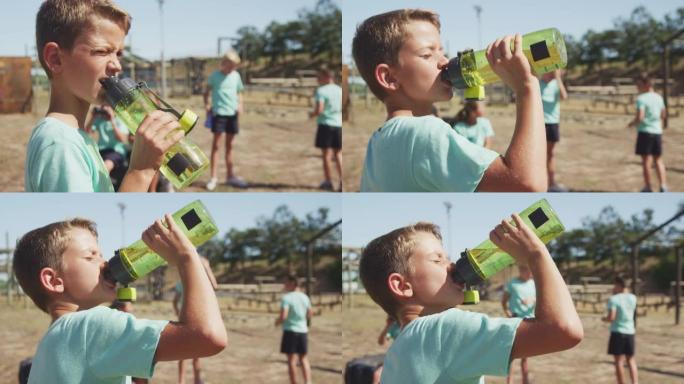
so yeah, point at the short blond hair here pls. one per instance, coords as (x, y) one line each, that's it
(387, 254)
(378, 41)
(62, 21)
(43, 248)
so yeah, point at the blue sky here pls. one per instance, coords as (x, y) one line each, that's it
(474, 215)
(24, 212)
(192, 27)
(501, 17)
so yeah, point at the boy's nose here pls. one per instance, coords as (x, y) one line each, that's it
(443, 61)
(114, 67)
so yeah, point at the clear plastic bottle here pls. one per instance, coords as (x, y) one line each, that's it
(184, 162)
(137, 260)
(470, 70)
(480, 263)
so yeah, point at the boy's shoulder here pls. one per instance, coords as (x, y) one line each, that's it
(52, 131)
(419, 124)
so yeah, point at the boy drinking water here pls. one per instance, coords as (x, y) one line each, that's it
(79, 43)
(407, 272)
(60, 267)
(400, 57)
(648, 120)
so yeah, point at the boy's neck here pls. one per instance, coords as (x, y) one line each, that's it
(410, 312)
(61, 308)
(68, 108)
(403, 107)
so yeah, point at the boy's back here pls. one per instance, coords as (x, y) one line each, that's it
(624, 304)
(97, 345)
(60, 158)
(297, 304)
(451, 347)
(331, 95)
(652, 104)
(422, 154)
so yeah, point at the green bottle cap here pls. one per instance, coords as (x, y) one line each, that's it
(471, 297)
(474, 93)
(126, 294)
(188, 120)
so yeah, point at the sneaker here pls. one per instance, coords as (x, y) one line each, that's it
(646, 189)
(211, 184)
(237, 182)
(326, 186)
(558, 188)
(663, 188)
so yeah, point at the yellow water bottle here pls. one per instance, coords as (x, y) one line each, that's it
(470, 70)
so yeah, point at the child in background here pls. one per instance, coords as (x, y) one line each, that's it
(621, 309)
(408, 273)
(649, 122)
(328, 110)
(295, 314)
(389, 332)
(471, 124)
(519, 300)
(112, 141)
(552, 92)
(225, 87)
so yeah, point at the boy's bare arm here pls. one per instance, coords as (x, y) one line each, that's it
(561, 87)
(523, 167)
(556, 325)
(637, 118)
(207, 104)
(610, 317)
(504, 304)
(199, 331)
(283, 315)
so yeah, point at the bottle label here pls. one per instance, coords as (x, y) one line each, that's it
(538, 217)
(191, 219)
(540, 51)
(178, 164)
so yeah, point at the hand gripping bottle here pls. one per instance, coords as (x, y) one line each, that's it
(184, 162)
(480, 263)
(470, 70)
(137, 260)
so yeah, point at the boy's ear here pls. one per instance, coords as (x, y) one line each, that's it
(52, 57)
(50, 280)
(385, 77)
(399, 286)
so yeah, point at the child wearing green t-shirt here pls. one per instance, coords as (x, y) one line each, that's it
(328, 113)
(407, 272)
(295, 315)
(79, 43)
(400, 57)
(60, 267)
(649, 122)
(471, 124)
(621, 310)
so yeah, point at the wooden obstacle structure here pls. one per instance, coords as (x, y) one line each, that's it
(16, 88)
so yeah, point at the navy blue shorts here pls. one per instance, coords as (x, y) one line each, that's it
(621, 344)
(649, 144)
(552, 133)
(294, 343)
(225, 124)
(328, 136)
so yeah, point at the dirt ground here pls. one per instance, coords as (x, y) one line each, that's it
(274, 150)
(595, 153)
(660, 356)
(252, 355)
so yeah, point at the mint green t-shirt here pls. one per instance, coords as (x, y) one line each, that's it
(61, 158)
(550, 94)
(518, 291)
(476, 133)
(394, 330)
(422, 154)
(224, 92)
(624, 304)
(106, 138)
(297, 305)
(98, 345)
(652, 104)
(331, 97)
(451, 347)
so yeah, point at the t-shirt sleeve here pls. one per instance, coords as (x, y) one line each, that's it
(284, 303)
(447, 162)
(640, 104)
(487, 126)
(612, 303)
(61, 167)
(318, 95)
(240, 87)
(479, 345)
(118, 344)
